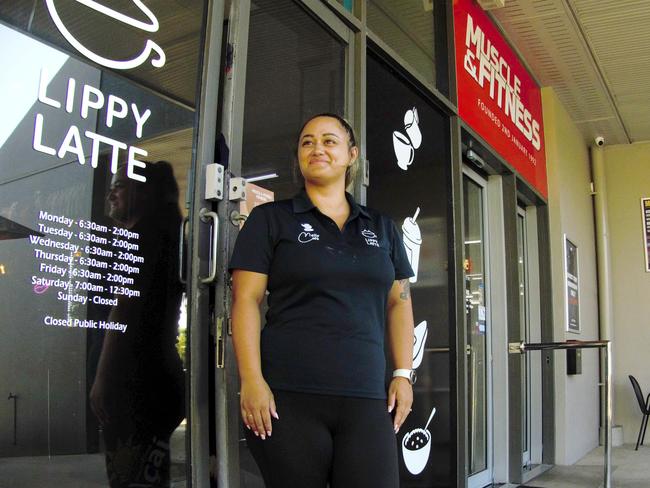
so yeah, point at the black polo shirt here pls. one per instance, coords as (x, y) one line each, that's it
(328, 293)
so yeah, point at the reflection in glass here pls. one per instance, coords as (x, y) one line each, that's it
(138, 392)
(91, 310)
(474, 264)
(406, 26)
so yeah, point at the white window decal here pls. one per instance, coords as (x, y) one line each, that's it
(416, 447)
(405, 145)
(412, 239)
(150, 46)
(419, 340)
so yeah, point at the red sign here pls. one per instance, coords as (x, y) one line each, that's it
(496, 95)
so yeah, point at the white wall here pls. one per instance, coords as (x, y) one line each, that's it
(571, 213)
(627, 175)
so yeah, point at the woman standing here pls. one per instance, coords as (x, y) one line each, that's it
(313, 393)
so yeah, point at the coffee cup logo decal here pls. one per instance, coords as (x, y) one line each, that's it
(412, 239)
(412, 127)
(419, 339)
(405, 145)
(416, 447)
(159, 58)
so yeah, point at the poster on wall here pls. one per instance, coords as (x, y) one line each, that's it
(572, 286)
(645, 215)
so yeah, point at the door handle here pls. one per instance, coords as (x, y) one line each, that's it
(181, 247)
(206, 215)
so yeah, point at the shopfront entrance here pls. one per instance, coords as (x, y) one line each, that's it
(122, 166)
(301, 59)
(97, 214)
(294, 60)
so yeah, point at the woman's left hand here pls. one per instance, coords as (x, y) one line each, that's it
(400, 394)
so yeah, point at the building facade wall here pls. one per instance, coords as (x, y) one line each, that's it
(628, 180)
(571, 214)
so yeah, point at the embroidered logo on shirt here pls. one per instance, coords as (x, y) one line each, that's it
(308, 234)
(371, 237)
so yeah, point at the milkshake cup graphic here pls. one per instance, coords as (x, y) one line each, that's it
(416, 447)
(412, 241)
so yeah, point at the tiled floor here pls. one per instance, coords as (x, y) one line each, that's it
(630, 469)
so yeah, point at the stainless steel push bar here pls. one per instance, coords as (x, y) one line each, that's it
(522, 347)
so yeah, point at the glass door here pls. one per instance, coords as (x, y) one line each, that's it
(522, 260)
(530, 332)
(96, 162)
(479, 376)
(297, 63)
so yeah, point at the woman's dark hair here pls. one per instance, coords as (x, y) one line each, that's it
(350, 172)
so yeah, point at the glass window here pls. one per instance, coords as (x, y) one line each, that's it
(415, 30)
(478, 370)
(94, 164)
(347, 4)
(295, 69)
(158, 42)
(408, 149)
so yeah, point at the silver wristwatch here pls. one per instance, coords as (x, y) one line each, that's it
(409, 374)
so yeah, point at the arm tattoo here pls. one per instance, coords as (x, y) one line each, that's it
(406, 289)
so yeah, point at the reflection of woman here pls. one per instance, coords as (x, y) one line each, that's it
(313, 395)
(138, 393)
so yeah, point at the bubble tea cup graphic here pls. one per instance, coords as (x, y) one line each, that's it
(412, 241)
(416, 447)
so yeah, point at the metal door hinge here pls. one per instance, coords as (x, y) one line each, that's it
(214, 181)
(220, 342)
(237, 189)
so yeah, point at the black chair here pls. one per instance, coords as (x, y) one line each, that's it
(645, 410)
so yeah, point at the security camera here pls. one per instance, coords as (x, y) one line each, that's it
(475, 158)
(600, 141)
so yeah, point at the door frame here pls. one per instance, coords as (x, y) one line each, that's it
(534, 334)
(525, 326)
(226, 423)
(484, 477)
(199, 317)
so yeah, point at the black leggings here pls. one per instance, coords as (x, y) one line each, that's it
(344, 441)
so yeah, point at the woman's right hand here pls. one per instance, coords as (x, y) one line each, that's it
(257, 406)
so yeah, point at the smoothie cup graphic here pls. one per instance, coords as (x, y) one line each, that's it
(416, 447)
(412, 241)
